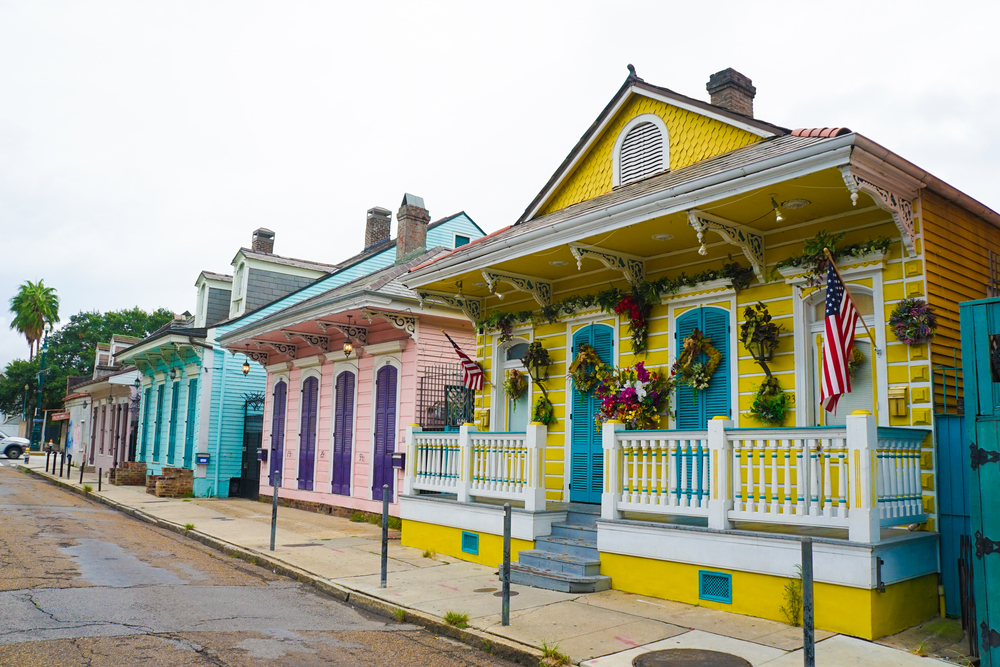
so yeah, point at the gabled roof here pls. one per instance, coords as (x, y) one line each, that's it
(221, 277)
(286, 261)
(635, 86)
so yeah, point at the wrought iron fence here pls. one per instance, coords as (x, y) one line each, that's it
(966, 593)
(443, 403)
(948, 395)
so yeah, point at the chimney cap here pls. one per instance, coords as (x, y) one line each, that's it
(263, 231)
(412, 200)
(379, 211)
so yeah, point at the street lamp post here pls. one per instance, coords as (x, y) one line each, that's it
(36, 426)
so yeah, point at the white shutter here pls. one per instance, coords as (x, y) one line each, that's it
(641, 153)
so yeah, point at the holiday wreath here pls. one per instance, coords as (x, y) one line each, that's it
(688, 369)
(913, 322)
(515, 386)
(586, 369)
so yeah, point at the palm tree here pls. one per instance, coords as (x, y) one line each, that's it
(35, 308)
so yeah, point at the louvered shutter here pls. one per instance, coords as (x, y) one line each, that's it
(147, 400)
(192, 402)
(307, 437)
(586, 453)
(385, 427)
(175, 393)
(689, 409)
(641, 153)
(278, 429)
(343, 437)
(717, 396)
(159, 421)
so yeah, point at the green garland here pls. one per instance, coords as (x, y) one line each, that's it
(646, 294)
(815, 261)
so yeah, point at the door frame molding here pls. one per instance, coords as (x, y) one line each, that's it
(696, 301)
(583, 320)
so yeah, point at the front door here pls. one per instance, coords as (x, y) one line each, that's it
(694, 409)
(980, 327)
(586, 477)
(307, 433)
(253, 432)
(343, 433)
(385, 430)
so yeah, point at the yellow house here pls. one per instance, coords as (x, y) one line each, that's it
(668, 219)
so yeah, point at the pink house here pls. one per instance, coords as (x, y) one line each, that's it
(348, 370)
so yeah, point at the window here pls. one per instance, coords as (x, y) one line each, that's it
(642, 150)
(461, 240)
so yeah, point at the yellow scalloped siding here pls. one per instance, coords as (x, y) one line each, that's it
(693, 138)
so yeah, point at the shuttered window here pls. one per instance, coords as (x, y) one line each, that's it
(641, 153)
(175, 392)
(145, 422)
(586, 453)
(694, 410)
(278, 430)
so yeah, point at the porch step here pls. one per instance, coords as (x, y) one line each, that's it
(571, 546)
(555, 562)
(583, 518)
(554, 580)
(588, 533)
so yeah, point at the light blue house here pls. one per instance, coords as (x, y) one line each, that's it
(201, 415)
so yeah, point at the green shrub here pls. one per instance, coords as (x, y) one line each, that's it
(457, 618)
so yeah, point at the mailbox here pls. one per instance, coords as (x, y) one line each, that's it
(202, 459)
(262, 455)
(399, 460)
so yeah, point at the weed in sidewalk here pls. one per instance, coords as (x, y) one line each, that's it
(457, 618)
(792, 609)
(87, 488)
(187, 500)
(551, 657)
(399, 615)
(188, 526)
(357, 516)
(429, 554)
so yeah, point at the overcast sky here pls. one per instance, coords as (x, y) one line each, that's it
(141, 142)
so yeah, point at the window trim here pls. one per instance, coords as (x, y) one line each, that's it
(620, 141)
(454, 240)
(502, 365)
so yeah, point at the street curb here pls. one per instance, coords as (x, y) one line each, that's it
(477, 639)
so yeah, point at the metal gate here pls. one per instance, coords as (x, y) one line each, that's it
(953, 480)
(248, 483)
(443, 403)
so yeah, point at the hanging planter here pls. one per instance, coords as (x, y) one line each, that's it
(913, 322)
(687, 370)
(770, 403)
(544, 412)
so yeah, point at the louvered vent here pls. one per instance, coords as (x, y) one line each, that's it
(642, 153)
(715, 586)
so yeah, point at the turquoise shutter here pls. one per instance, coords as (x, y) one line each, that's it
(586, 454)
(716, 327)
(159, 422)
(689, 409)
(147, 400)
(192, 397)
(175, 391)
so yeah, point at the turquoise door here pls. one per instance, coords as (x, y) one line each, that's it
(586, 477)
(980, 326)
(694, 410)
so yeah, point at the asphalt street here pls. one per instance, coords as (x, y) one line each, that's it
(81, 584)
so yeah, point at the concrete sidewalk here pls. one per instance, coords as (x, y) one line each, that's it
(605, 629)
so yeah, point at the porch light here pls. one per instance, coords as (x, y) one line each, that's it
(173, 373)
(246, 363)
(777, 210)
(348, 345)
(137, 383)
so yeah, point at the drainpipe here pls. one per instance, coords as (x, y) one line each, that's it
(218, 430)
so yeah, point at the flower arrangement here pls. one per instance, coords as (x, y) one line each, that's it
(587, 369)
(543, 413)
(635, 396)
(770, 403)
(913, 322)
(636, 309)
(689, 370)
(515, 385)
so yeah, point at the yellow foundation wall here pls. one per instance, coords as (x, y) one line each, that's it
(853, 611)
(448, 541)
(692, 138)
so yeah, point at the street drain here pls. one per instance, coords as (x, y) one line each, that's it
(300, 545)
(688, 657)
(484, 590)
(499, 594)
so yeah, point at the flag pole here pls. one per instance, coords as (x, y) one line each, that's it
(847, 293)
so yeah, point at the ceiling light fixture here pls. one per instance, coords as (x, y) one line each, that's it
(777, 210)
(662, 237)
(557, 262)
(480, 285)
(348, 345)
(793, 204)
(246, 363)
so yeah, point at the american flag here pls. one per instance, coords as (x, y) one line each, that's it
(472, 374)
(841, 318)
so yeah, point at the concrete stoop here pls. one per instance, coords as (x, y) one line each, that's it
(566, 561)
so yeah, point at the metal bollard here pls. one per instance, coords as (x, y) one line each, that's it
(100, 473)
(62, 460)
(69, 466)
(505, 574)
(82, 466)
(385, 534)
(274, 506)
(47, 455)
(808, 631)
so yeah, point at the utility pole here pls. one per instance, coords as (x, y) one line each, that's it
(36, 425)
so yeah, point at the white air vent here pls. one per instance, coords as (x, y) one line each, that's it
(641, 153)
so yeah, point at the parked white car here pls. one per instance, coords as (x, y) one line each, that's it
(13, 446)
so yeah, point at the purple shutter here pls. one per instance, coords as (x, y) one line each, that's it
(385, 430)
(343, 435)
(278, 430)
(307, 434)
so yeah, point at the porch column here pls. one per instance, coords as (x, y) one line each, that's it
(613, 474)
(534, 440)
(411, 459)
(864, 523)
(465, 456)
(720, 466)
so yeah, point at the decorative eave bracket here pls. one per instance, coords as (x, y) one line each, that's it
(473, 308)
(861, 180)
(633, 268)
(315, 340)
(354, 332)
(256, 354)
(259, 356)
(541, 290)
(749, 240)
(401, 321)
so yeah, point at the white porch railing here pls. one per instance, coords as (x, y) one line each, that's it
(857, 476)
(470, 464)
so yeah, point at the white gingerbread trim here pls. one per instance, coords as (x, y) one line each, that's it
(749, 240)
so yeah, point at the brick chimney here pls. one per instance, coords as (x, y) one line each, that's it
(411, 222)
(731, 90)
(263, 241)
(377, 226)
